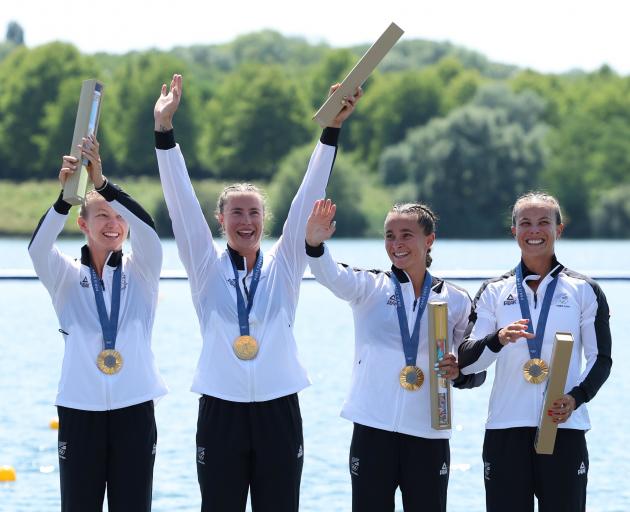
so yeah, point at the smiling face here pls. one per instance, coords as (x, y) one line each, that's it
(104, 228)
(406, 243)
(242, 221)
(536, 230)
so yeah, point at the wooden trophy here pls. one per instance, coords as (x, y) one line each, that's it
(359, 74)
(86, 123)
(558, 369)
(439, 346)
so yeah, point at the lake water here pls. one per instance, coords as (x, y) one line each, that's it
(31, 352)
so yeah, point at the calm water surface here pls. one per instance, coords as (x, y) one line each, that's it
(31, 352)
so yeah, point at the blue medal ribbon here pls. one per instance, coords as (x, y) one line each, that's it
(411, 341)
(534, 344)
(109, 325)
(243, 311)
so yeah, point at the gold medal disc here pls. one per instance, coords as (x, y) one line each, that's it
(411, 378)
(535, 371)
(245, 347)
(109, 361)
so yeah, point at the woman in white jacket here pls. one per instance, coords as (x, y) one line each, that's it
(393, 444)
(249, 430)
(105, 302)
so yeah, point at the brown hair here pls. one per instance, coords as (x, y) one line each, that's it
(536, 196)
(241, 188)
(427, 219)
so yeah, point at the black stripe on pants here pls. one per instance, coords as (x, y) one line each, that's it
(514, 473)
(381, 461)
(257, 445)
(113, 449)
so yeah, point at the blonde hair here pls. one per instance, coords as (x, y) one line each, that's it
(89, 198)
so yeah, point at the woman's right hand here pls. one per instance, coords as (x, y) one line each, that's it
(68, 167)
(167, 104)
(514, 331)
(320, 226)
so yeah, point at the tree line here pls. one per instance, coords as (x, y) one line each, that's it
(438, 123)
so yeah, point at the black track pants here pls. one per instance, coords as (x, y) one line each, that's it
(257, 445)
(514, 472)
(113, 449)
(381, 461)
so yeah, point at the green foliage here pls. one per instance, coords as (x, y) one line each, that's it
(345, 189)
(255, 118)
(436, 120)
(32, 127)
(475, 161)
(15, 33)
(127, 119)
(610, 216)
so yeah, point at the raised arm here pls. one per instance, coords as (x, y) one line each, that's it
(49, 262)
(346, 283)
(192, 234)
(313, 187)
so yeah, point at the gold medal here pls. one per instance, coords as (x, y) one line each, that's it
(109, 361)
(411, 378)
(245, 347)
(535, 371)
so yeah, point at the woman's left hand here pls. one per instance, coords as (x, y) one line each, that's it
(562, 409)
(448, 367)
(90, 150)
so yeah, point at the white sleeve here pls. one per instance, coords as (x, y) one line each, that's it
(290, 246)
(192, 234)
(347, 284)
(49, 262)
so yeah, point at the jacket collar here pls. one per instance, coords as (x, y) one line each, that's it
(115, 258)
(404, 278)
(238, 260)
(556, 268)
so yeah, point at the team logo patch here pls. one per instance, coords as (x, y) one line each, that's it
(300, 452)
(123, 281)
(486, 470)
(201, 455)
(62, 448)
(563, 301)
(582, 470)
(444, 470)
(84, 282)
(392, 301)
(354, 466)
(510, 300)
(232, 281)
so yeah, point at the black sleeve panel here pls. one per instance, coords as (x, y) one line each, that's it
(165, 140)
(600, 371)
(469, 381)
(112, 192)
(61, 206)
(314, 252)
(330, 136)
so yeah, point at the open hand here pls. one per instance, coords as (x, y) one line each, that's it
(320, 225)
(167, 104)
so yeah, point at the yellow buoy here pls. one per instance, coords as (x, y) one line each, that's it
(7, 474)
(54, 424)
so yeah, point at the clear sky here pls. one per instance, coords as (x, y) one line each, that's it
(550, 36)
